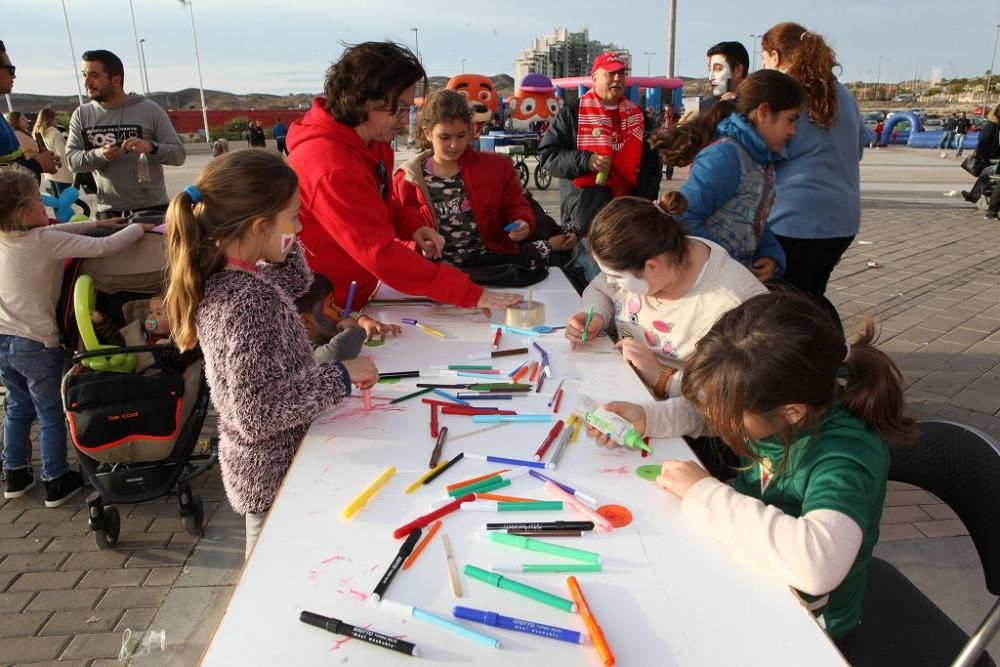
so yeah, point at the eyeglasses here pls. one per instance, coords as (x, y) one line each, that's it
(402, 111)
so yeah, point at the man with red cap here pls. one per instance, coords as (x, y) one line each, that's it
(595, 145)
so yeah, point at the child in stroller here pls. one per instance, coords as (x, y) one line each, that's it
(135, 405)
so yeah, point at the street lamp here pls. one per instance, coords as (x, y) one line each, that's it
(201, 84)
(138, 56)
(145, 70)
(993, 64)
(463, 65)
(878, 76)
(72, 56)
(416, 43)
(753, 47)
(648, 54)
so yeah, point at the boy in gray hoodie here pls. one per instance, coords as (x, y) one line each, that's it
(114, 133)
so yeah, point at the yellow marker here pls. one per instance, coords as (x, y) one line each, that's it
(576, 428)
(366, 495)
(420, 480)
(433, 332)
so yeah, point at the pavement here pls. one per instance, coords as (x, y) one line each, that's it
(935, 294)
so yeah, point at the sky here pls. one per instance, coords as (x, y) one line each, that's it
(284, 46)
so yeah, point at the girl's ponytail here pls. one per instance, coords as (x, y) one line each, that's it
(874, 390)
(679, 146)
(809, 59)
(189, 261)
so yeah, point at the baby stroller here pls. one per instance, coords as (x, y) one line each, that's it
(134, 415)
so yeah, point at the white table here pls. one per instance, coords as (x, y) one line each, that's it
(669, 593)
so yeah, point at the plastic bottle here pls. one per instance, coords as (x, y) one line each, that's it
(610, 424)
(142, 169)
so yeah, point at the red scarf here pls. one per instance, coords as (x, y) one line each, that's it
(595, 130)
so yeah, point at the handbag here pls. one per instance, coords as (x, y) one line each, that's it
(84, 181)
(493, 269)
(973, 165)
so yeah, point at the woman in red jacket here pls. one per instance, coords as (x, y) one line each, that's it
(467, 196)
(350, 225)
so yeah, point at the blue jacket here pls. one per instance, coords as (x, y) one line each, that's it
(819, 181)
(279, 131)
(714, 182)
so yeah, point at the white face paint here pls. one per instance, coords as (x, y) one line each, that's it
(624, 280)
(719, 74)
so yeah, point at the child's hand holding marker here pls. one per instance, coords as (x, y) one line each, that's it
(518, 230)
(362, 371)
(429, 242)
(373, 327)
(631, 412)
(576, 324)
(678, 477)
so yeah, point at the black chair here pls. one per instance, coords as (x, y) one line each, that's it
(899, 624)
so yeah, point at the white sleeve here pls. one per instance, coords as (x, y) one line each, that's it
(673, 418)
(812, 553)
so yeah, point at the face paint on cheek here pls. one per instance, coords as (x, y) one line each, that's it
(626, 281)
(287, 238)
(721, 77)
(329, 326)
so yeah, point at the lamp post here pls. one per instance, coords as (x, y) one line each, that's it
(648, 54)
(416, 43)
(145, 69)
(463, 65)
(138, 56)
(753, 48)
(878, 76)
(993, 62)
(672, 21)
(197, 60)
(72, 56)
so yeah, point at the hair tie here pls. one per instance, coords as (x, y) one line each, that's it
(194, 193)
(803, 35)
(659, 207)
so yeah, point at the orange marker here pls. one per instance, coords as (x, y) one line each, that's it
(534, 371)
(555, 408)
(520, 374)
(423, 543)
(593, 629)
(452, 487)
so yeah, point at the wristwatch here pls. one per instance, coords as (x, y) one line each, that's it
(155, 147)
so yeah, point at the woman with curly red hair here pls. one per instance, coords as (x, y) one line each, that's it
(819, 210)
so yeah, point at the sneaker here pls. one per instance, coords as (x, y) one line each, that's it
(990, 215)
(62, 488)
(17, 482)
(967, 197)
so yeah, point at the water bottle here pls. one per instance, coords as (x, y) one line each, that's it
(142, 170)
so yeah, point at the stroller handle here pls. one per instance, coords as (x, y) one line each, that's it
(125, 349)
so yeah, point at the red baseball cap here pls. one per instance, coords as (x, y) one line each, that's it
(609, 61)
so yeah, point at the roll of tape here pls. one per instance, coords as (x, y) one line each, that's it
(526, 314)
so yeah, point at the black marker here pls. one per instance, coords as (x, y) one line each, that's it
(436, 453)
(394, 566)
(399, 374)
(436, 473)
(542, 525)
(338, 627)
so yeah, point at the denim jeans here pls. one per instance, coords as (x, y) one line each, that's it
(946, 139)
(960, 144)
(32, 374)
(583, 258)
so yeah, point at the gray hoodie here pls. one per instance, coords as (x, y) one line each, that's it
(94, 126)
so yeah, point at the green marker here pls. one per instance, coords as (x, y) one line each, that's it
(547, 567)
(515, 506)
(408, 396)
(503, 583)
(483, 486)
(586, 326)
(530, 544)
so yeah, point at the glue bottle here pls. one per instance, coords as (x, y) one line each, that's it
(610, 424)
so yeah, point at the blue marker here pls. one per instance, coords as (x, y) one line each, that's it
(493, 419)
(511, 227)
(417, 612)
(521, 625)
(441, 392)
(541, 465)
(350, 298)
(477, 376)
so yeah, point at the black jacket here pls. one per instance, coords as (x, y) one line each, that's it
(558, 154)
(988, 146)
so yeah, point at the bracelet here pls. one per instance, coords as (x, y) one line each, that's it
(660, 390)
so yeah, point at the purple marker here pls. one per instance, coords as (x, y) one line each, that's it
(350, 298)
(565, 487)
(521, 625)
(408, 320)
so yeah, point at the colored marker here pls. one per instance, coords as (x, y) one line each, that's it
(506, 499)
(486, 485)
(399, 374)
(423, 479)
(462, 410)
(542, 525)
(541, 381)
(480, 478)
(426, 519)
(529, 544)
(397, 562)
(439, 392)
(541, 465)
(558, 389)
(423, 615)
(484, 396)
(515, 330)
(496, 339)
(479, 485)
(520, 625)
(367, 395)
(500, 506)
(534, 371)
(338, 627)
(600, 523)
(352, 290)
(593, 628)
(434, 474)
(530, 592)
(436, 452)
(558, 399)
(540, 452)
(493, 419)
(545, 567)
(498, 353)
(514, 372)
(582, 497)
(423, 545)
(511, 227)
(547, 533)
(409, 396)
(561, 445)
(449, 557)
(366, 495)
(434, 422)
(586, 326)
(576, 429)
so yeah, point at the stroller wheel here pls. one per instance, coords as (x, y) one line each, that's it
(107, 535)
(194, 523)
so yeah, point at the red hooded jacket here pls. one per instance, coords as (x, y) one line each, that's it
(349, 230)
(491, 185)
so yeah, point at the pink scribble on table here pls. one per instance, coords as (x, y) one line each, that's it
(340, 642)
(313, 575)
(359, 595)
(345, 413)
(620, 471)
(332, 559)
(374, 567)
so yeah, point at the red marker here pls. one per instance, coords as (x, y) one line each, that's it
(496, 340)
(434, 421)
(555, 408)
(534, 371)
(421, 522)
(548, 441)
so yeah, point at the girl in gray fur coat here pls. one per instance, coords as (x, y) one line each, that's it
(235, 269)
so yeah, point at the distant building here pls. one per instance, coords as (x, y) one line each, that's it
(562, 54)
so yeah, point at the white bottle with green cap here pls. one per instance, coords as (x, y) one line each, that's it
(610, 424)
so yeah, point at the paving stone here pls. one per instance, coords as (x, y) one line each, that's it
(98, 645)
(64, 529)
(158, 557)
(31, 649)
(144, 541)
(72, 544)
(47, 581)
(63, 600)
(10, 515)
(33, 562)
(94, 560)
(904, 514)
(56, 663)
(47, 515)
(21, 625)
(81, 621)
(979, 401)
(22, 545)
(945, 383)
(113, 578)
(944, 528)
(898, 531)
(939, 511)
(128, 598)
(161, 576)
(15, 601)
(917, 497)
(164, 524)
(136, 619)
(964, 336)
